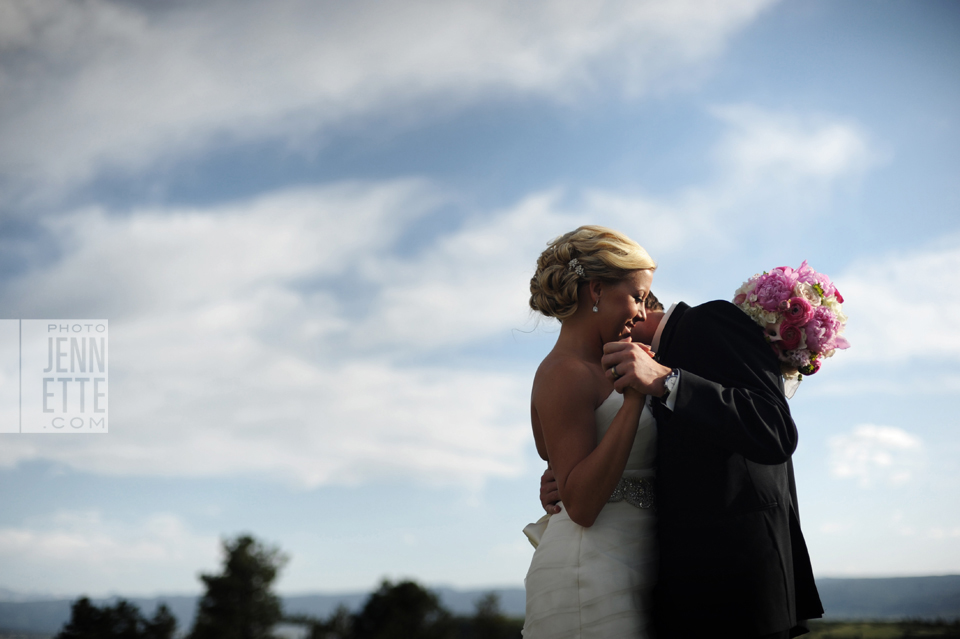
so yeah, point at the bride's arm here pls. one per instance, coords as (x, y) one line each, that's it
(564, 399)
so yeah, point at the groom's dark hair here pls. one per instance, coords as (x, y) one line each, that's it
(651, 303)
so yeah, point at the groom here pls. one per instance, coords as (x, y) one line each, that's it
(733, 562)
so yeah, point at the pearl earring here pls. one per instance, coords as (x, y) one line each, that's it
(595, 309)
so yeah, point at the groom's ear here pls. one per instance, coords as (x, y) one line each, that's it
(651, 303)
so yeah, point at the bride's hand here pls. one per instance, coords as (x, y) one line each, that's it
(632, 365)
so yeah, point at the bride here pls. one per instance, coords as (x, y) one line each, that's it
(595, 565)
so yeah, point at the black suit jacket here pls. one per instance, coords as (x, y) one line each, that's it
(733, 561)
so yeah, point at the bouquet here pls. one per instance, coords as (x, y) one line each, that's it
(800, 312)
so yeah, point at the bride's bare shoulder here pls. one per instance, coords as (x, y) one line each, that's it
(560, 373)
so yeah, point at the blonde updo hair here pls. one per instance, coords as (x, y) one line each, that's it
(603, 254)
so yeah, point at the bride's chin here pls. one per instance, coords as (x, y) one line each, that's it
(615, 335)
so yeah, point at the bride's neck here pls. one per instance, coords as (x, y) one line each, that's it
(580, 339)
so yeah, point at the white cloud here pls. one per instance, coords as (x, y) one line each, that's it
(276, 336)
(872, 453)
(784, 162)
(173, 259)
(931, 382)
(83, 553)
(944, 533)
(858, 543)
(471, 284)
(479, 274)
(920, 290)
(761, 145)
(231, 351)
(279, 335)
(104, 84)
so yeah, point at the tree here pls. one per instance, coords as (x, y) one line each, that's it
(120, 621)
(402, 611)
(408, 611)
(490, 623)
(338, 625)
(238, 603)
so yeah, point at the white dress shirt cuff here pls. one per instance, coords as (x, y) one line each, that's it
(672, 399)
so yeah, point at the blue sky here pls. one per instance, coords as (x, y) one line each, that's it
(312, 225)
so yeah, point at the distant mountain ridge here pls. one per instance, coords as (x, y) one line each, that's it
(892, 598)
(873, 599)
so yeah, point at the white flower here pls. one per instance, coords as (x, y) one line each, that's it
(747, 287)
(807, 292)
(832, 303)
(773, 331)
(758, 315)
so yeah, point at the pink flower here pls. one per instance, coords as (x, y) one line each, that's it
(798, 311)
(775, 287)
(821, 330)
(806, 274)
(798, 358)
(790, 337)
(812, 367)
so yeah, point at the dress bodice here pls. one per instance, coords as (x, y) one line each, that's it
(643, 455)
(596, 582)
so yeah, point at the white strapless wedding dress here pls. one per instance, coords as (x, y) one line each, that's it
(596, 582)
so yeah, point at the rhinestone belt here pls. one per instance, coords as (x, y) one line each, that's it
(636, 492)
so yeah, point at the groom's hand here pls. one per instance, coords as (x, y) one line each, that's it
(631, 364)
(549, 492)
